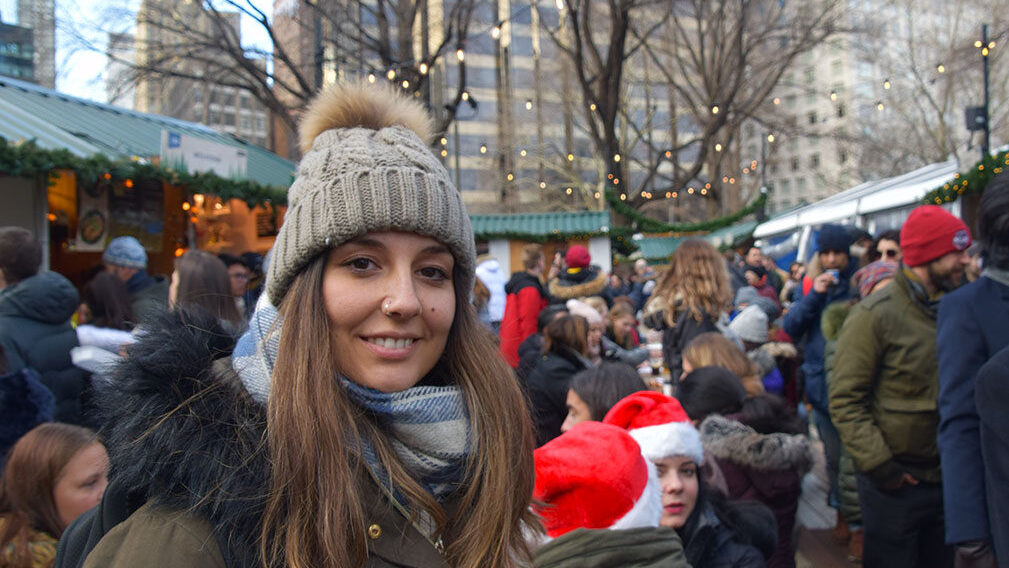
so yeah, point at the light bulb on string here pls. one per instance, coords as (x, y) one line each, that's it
(460, 55)
(423, 68)
(390, 74)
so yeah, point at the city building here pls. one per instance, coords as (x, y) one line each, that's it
(17, 52)
(191, 80)
(28, 41)
(120, 89)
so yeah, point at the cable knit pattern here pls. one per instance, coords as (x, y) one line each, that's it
(357, 180)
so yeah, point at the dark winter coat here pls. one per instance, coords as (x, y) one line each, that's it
(184, 432)
(530, 352)
(761, 467)
(711, 543)
(675, 338)
(588, 281)
(148, 295)
(524, 299)
(802, 323)
(646, 547)
(972, 327)
(548, 391)
(885, 386)
(992, 398)
(24, 404)
(35, 332)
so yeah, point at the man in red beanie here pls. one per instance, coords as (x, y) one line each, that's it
(884, 392)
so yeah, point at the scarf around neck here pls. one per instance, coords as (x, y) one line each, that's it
(428, 427)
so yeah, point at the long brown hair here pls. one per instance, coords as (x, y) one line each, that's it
(204, 282)
(697, 282)
(34, 465)
(567, 331)
(315, 509)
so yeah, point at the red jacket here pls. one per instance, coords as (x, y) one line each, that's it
(525, 299)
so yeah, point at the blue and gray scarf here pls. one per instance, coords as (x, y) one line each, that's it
(428, 427)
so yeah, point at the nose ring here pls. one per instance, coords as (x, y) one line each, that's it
(385, 308)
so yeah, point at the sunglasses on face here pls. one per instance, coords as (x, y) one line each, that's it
(889, 253)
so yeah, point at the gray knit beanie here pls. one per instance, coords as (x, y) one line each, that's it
(125, 251)
(366, 167)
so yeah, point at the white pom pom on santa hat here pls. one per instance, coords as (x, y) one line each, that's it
(594, 476)
(658, 424)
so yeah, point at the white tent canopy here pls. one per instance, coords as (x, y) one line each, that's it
(867, 199)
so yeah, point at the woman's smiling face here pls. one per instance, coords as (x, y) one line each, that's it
(390, 302)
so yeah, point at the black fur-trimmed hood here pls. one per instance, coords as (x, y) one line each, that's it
(731, 440)
(182, 431)
(587, 282)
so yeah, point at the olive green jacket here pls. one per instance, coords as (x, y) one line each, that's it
(645, 547)
(885, 386)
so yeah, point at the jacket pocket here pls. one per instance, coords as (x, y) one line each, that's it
(910, 427)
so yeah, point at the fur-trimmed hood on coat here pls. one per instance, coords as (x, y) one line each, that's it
(728, 439)
(182, 431)
(587, 282)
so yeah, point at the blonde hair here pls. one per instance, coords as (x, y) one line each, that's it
(697, 282)
(712, 349)
(315, 509)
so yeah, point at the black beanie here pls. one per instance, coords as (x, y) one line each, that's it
(833, 237)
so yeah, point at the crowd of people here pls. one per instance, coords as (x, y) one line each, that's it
(373, 393)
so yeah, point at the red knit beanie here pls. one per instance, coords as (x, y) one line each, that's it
(930, 232)
(577, 257)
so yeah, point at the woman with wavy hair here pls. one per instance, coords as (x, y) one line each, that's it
(365, 418)
(201, 281)
(692, 298)
(52, 474)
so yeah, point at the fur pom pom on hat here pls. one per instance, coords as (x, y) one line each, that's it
(367, 167)
(658, 424)
(593, 476)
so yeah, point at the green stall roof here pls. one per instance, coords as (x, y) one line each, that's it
(56, 120)
(541, 226)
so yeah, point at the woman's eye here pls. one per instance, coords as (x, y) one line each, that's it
(434, 273)
(360, 264)
(688, 472)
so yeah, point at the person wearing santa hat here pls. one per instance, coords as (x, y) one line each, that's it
(600, 503)
(884, 391)
(670, 441)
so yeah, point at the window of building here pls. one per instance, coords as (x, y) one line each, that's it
(810, 75)
(842, 156)
(840, 110)
(800, 186)
(814, 161)
(812, 117)
(795, 164)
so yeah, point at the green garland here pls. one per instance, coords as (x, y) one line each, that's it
(28, 160)
(971, 181)
(649, 225)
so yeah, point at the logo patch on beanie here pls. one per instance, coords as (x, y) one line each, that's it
(961, 240)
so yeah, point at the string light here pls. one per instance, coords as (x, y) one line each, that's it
(522, 152)
(444, 153)
(568, 191)
(186, 206)
(714, 109)
(940, 68)
(669, 154)
(668, 195)
(511, 176)
(623, 197)
(596, 195)
(616, 157)
(423, 68)
(676, 194)
(704, 192)
(543, 185)
(496, 32)
(464, 96)
(571, 157)
(833, 95)
(406, 84)
(592, 107)
(371, 77)
(483, 148)
(529, 104)
(879, 106)
(770, 138)
(560, 4)
(718, 147)
(731, 181)
(460, 55)
(886, 84)
(776, 101)
(690, 190)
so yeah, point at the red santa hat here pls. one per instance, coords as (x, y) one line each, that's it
(658, 424)
(594, 476)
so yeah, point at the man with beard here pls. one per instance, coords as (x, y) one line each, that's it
(884, 393)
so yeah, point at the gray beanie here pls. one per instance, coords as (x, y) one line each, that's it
(750, 324)
(125, 251)
(366, 167)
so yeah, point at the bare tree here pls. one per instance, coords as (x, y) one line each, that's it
(310, 43)
(925, 70)
(704, 66)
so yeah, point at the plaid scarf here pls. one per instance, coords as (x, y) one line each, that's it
(428, 427)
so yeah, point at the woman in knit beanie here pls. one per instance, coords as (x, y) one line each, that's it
(365, 418)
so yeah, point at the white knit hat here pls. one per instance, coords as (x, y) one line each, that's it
(750, 324)
(580, 308)
(594, 476)
(658, 424)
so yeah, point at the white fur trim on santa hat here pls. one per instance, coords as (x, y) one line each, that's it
(647, 510)
(667, 440)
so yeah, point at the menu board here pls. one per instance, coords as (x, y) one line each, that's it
(138, 211)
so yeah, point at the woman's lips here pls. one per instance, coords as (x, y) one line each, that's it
(673, 509)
